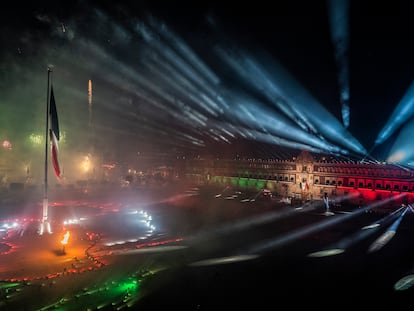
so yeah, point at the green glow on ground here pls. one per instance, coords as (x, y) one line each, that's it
(115, 294)
(5, 285)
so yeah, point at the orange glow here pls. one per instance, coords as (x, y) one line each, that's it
(86, 163)
(65, 238)
(90, 93)
(109, 166)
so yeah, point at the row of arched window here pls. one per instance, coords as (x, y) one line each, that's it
(364, 171)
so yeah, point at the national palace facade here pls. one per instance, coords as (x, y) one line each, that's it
(305, 178)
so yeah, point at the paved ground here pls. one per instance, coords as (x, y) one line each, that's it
(217, 252)
(284, 276)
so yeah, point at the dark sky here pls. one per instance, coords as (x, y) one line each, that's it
(105, 41)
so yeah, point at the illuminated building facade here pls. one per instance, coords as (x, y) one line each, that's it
(305, 178)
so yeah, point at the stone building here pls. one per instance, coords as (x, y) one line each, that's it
(306, 178)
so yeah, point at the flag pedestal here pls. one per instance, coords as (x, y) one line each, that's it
(45, 225)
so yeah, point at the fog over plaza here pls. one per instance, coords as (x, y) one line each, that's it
(143, 87)
(190, 79)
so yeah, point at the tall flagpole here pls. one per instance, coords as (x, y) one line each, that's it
(45, 221)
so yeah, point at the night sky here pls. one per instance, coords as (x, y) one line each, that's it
(206, 77)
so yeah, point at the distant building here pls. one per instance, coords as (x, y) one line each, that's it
(305, 178)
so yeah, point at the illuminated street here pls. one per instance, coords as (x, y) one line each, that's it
(236, 253)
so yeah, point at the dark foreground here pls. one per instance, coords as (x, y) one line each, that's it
(233, 255)
(284, 276)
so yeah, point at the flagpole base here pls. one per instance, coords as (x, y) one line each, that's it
(45, 227)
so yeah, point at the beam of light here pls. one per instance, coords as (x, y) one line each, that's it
(402, 112)
(184, 63)
(147, 87)
(222, 260)
(177, 43)
(272, 80)
(346, 242)
(251, 222)
(99, 54)
(384, 220)
(221, 193)
(166, 52)
(384, 238)
(272, 139)
(65, 239)
(150, 249)
(338, 18)
(262, 219)
(246, 69)
(275, 127)
(406, 281)
(184, 86)
(256, 196)
(153, 125)
(252, 113)
(327, 210)
(402, 151)
(186, 81)
(150, 80)
(124, 75)
(272, 244)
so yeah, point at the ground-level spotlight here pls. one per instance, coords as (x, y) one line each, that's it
(64, 241)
